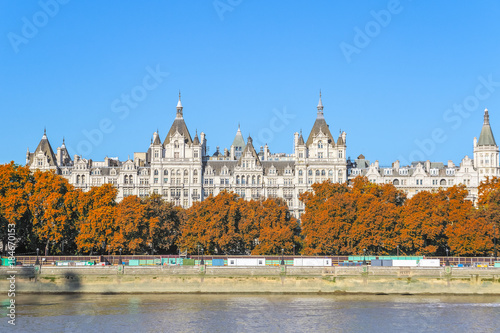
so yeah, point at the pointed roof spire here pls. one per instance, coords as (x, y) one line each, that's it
(44, 133)
(196, 140)
(179, 106)
(320, 104)
(238, 139)
(486, 137)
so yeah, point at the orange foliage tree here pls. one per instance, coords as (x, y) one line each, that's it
(53, 220)
(132, 226)
(164, 220)
(346, 220)
(16, 183)
(226, 224)
(97, 216)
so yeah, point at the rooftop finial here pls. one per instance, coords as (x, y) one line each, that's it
(486, 117)
(320, 104)
(44, 130)
(179, 106)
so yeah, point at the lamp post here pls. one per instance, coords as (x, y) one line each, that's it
(398, 249)
(282, 257)
(37, 262)
(202, 261)
(364, 256)
(120, 259)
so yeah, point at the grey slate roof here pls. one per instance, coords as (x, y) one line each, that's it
(178, 126)
(249, 148)
(279, 165)
(218, 165)
(238, 139)
(45, 147)
(486, 137)
(320, 125)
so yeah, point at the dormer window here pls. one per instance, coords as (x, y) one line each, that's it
(176, 144)
(320, 144)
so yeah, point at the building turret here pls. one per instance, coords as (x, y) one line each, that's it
(486, 151)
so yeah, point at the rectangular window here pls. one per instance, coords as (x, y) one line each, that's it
(156, 180)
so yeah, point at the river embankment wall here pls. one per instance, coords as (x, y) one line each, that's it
(281, 279)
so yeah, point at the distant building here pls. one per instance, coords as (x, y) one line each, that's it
(180, 169)
(430, 176)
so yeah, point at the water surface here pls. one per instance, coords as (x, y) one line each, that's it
(254, 313)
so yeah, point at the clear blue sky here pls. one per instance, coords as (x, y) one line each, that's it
(390, 86)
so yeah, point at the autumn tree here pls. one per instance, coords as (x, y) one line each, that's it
(163, 220)
(132, 226)
(341, 219)
(213, 225)
(16, 184)
(97, 216)
(276, 228)
(53, 221)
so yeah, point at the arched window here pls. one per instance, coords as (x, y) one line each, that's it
(185, 172)
(237, 180)
(395, 182)
(320, 144)
(178, 172)
(195, 172)
(253, 180)
(317, 172)
(258, 180)
(442, 182)
(156, 172)
(131, 179)
(83, 179)
(78, 179)
(310, 172)
(330, 173)
(243, 180)
(165, 172)
(323, 173)
(176, 144)
(300, 172)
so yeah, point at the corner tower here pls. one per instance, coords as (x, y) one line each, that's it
(486, 151)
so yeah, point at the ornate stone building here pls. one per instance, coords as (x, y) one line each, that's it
(430, 176)
(180, 169)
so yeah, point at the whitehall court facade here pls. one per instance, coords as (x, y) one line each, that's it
(180, 169)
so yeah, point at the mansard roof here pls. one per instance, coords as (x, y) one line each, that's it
(217, 165)
(486, 137)
(45, 147)
(250, 149)
(280, 166)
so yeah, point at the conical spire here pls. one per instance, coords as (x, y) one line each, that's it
(196, 140)
(486, 137)
(320, 105)
(179, 106)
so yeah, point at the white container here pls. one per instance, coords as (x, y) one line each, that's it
(429, 263)
(246, 262)
(312, 262)
(404, 263)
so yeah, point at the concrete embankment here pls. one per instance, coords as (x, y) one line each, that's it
(289, 279)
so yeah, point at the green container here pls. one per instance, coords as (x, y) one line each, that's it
(7, 261)
(132, 262)
(497, 264)
(188, 262)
